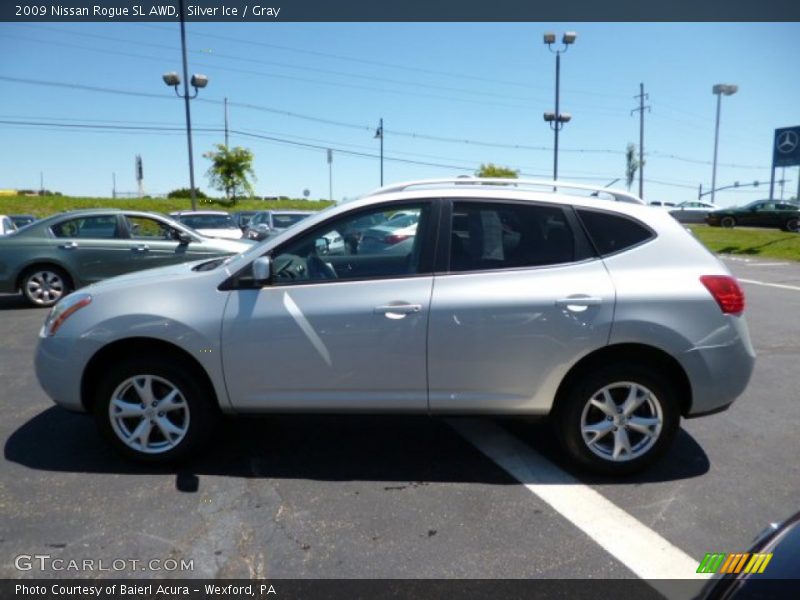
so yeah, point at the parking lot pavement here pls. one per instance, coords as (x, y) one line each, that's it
(394, 497)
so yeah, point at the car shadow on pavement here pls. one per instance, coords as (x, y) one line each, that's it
(324, 448)
(14, 302)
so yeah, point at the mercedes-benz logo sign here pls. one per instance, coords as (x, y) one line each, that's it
(787, 142)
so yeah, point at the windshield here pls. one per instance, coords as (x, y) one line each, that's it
(282, 221)
(208, 221)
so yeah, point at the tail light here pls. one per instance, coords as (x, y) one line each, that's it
(726, 292)
(395, 238)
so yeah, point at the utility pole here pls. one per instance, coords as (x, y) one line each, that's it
(41, 183)
(330, 174)
(379, 134)
(642, 97)
(186, 98)
(114, 185)
(226, 121)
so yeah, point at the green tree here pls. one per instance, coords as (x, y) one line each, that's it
(492, 170)
(231, 171)
(631, 164)
(186, 193)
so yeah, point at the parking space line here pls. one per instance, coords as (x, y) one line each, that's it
(782, 286)
(631, 542)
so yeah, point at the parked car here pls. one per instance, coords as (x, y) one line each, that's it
(692, 211)
(769, 569)
(760, 213)
(22, 220)
(6, 225)
(211, 223)
(607, 316)
(267, 223)
(242, 218)
(50, 257)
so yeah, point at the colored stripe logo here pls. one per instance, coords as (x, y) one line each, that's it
(719, 562)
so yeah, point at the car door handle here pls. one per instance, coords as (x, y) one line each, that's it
(141, 248)
(579, 301)
(69, 246)
(397, 311)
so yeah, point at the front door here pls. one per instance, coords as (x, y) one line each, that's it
(337, 329)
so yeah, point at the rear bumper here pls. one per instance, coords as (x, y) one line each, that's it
(719, 372)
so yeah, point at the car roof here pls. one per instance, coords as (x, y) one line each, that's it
(182, 213)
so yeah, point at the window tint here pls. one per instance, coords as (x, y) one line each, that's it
(612, 233)
(359, 246)
(503, 236)
(208, 221)
(145, 228)
(101, 227)
(286, 220)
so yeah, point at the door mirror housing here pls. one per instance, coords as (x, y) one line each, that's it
(184, 238)
(262, 270)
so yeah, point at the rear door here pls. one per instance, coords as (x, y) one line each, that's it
(93, 246)
(521, 299)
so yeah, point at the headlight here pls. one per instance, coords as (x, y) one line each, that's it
(64, 310)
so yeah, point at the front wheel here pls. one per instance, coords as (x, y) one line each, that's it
(617, 420)
(793, 225)
(153, 410)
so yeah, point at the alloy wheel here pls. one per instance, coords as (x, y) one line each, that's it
(621, 421)
(149, 414)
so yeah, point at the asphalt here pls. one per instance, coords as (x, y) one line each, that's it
(385, 497)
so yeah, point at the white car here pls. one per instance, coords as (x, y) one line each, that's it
(6, 225)
(211, 223)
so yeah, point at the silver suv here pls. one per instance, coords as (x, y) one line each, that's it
(502, 299)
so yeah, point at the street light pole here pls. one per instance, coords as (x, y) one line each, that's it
(719, 89)
(557, 119)
(198, 82)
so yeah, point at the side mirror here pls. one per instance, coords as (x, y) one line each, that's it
(262, 227)
(262, 270)
(321, 245)
(184, 238)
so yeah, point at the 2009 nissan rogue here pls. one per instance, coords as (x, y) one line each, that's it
(504, 299)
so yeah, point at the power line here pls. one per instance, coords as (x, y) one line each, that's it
(413, 135)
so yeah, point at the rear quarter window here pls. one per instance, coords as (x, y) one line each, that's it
(612, 233)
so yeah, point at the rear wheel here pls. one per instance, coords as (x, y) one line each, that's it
(618, 419)
(793, 225)
(728, 222)
(45, 285)
(153, 410)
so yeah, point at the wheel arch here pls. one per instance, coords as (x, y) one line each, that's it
(640, 354)
(142, 346)
(44, 263)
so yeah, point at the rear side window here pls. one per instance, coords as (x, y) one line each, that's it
(613, 233)
(506, 236)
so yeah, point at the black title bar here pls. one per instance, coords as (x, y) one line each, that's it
(400, 10)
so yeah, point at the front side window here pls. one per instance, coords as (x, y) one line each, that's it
(100, 227)
(506, 236)
(363, 245)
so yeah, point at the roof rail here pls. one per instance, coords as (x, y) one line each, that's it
(618, 195)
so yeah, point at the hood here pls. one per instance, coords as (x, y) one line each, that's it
(230, 234)
(170, 273)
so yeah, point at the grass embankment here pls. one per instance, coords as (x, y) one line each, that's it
(42, 206)
(759, 243)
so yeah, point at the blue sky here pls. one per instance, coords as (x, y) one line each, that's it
(481, 86)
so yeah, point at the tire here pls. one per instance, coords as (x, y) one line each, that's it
(148, 432)
(727, 222)
(589, 433)
(792, 225)
(44, 285)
